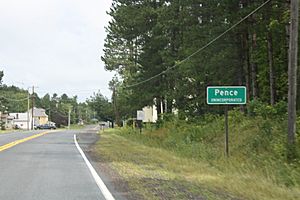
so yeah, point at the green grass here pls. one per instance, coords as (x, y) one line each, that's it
(6, 131)
(186, 161)
(75, 126)
(155, 173)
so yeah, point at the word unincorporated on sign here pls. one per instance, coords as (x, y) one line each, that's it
(226, 95)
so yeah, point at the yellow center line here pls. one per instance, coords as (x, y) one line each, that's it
(14, 143)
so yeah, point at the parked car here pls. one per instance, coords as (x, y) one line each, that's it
(46, 126)
(16, 126)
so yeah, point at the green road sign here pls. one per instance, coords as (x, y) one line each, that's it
(217, 95)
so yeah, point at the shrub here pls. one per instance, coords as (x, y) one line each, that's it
(236, 115)
(259, 108)
(2, 125)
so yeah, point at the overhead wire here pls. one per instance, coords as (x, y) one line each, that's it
(16, 100)
(200, 49)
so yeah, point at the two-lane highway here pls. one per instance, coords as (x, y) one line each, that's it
(14, 136)
(48, 167)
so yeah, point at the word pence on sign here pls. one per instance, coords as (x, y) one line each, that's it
(218, 95)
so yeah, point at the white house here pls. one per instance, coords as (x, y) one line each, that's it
(21, 120)
(150, 114)
(24, 120)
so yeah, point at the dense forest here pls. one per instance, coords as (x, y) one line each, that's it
(167, 52)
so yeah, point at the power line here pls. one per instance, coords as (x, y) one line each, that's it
(73, 93)
(200, 49)
(16, 100)
(79, 90)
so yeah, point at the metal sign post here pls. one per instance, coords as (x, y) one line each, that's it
(140, 117)
(226, 95)
(226, 132)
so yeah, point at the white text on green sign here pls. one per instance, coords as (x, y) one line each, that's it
(226, 95)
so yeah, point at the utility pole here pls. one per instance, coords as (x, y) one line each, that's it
(32, 103)
(86, 116)
(226, 132)
(28, 104)
(69, 118)
(50, 113)
(115, 106)
(292, 76)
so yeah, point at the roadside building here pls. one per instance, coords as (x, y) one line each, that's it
(20, 120)
(39, 115)
(5, 121)
(9, 122)
(150, 114)
(24, 120)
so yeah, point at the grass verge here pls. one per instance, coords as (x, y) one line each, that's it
(158, 173)
(6, 131)
(75, 127)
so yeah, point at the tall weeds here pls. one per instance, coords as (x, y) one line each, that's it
(257, 142)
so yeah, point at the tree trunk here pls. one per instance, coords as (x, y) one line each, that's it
(247, 64)
(287, 27)
(163, 104)
(241, 71)
(117, 114)
(292, 76)
(272, 74)
(271, 68)
(298, 90)
(254, 68)
(158, 107)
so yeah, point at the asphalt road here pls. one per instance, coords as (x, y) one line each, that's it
(49, 167)
(10, 137)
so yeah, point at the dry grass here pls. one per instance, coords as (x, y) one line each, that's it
(6, 131)
(160, 174)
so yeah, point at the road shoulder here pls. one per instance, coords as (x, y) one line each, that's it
(88, 141)
(152, 173)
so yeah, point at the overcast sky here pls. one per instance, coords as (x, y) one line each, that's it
(55, 45)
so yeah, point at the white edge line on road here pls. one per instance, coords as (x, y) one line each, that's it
(100, 183)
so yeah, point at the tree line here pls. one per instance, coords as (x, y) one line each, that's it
(146, 38)
(166, 53)
(15, 100)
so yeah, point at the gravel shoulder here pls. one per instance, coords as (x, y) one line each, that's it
(88, 140)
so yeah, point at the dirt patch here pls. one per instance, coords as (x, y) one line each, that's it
(87, 138)
(181, 189)
(120, 185)
(170, 189)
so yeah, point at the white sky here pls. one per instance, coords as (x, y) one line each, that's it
(55, 45)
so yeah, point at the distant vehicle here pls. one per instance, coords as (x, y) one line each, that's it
(46, 126)
(16, 127)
